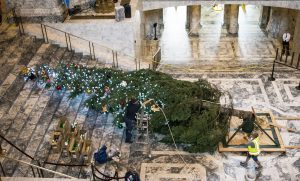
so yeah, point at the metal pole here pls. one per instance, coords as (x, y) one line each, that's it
(265, 132)
(93, 172)
(94, 51)
(46, 34)
(21, 25)
(281, 55)
(276, 57)
(42, 173)
(113, 64)
(240, 127)
(43, 33)
(272, 75)
(38, 171)
(32, 171)
(67, 41)
(117, 60)
(35, 166)
(298, 61)
(20, 31)
(139, 64)
(292, 58)
(70, 42)
(90, 49)
(2, 169)
(135, 63)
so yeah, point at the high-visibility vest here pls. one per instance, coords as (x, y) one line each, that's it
(254, 151)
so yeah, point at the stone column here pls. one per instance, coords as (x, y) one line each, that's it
(226, 16)
(195, 18)
(234, 18)
(296, 38)
(281, 20)
(149, 18)
(264, 16)
(188, 17)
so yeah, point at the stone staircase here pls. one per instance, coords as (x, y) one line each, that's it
(36, 179)
(29, 113)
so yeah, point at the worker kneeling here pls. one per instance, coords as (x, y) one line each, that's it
(253, 151)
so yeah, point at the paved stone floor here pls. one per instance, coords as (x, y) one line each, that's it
(29, 114)
(214, 49)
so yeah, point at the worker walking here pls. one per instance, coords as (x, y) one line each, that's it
(253, 151)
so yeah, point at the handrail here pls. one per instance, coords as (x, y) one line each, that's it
(115, 52)
(159, 49)
(291, 63)
(156, 58)
(13, 145)
(17, 19)
(106, 176)
(40, 172)
(85, 39)
(66, 165)
(37, 161)
(38, 167)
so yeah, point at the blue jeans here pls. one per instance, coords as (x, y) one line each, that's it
(252, 156)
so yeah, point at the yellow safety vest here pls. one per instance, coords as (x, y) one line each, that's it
(254, 151)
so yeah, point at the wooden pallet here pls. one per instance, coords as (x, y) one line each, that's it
(238, 143)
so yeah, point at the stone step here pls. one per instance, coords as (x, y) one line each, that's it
(56, 107)
(12, 52)
(14, 83)
(15, 128)
(42, 98)
(37, 179)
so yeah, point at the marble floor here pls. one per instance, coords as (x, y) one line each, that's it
(29, 113)
(214, 49)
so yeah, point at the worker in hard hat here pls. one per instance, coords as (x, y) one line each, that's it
(253, 151)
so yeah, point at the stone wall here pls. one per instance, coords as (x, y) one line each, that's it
(38, 10)
(115, 35)
(119, 36)
(81, 2)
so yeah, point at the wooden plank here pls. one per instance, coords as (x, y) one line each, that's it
(288, 118)
(277, 131)
(241, 138)
(283, 127)
(292, 147)
(264, 140)
(221, 148)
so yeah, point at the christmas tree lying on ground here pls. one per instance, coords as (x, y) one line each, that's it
(192, 108)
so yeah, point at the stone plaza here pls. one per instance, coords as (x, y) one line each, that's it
(233, 48)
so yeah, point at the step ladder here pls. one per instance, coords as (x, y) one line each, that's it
(142, 141)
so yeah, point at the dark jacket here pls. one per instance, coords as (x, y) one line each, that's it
(131, 110)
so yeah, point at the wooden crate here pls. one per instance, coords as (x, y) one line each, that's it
(75, 147)
(56, 141)
(74, 131)
(86, 151)
(238, 143)
(66, 143)
(63, 125)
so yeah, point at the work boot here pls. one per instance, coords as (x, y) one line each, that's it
(243, 164)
